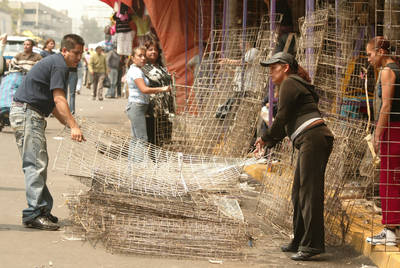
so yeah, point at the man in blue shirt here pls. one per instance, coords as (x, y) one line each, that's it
(42, 92)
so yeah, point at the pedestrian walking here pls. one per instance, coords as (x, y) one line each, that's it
(98, 70)
(113, 61)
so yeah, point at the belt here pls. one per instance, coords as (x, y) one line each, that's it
(315, 124)
(27, 105)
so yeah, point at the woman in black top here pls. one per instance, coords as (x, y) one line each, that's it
(298, 118)
(159, 127)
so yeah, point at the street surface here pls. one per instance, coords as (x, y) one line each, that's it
(22, 247)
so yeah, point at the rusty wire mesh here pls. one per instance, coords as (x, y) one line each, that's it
(227, 93)
(385, 211)
(143, 199)
(331, 48)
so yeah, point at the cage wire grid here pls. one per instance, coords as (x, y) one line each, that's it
(332, 48)
(178, 200)
(227, 93)
(386, 209)
(143, 199)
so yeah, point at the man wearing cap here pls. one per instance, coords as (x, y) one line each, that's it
(298, 118)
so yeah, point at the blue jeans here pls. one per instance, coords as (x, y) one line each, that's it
(29, 127)
(113, 75)
(80, 79)
(137, 115)
(73, 80)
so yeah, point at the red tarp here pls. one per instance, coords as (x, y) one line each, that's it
(172, 20)
(169, 21)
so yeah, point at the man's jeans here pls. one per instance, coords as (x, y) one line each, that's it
(29, 127)
(137, 115)
(73, 81)
(113, 75)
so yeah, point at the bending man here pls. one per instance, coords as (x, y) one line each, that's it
(43, 92)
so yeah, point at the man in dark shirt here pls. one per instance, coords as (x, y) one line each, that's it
(43, 92)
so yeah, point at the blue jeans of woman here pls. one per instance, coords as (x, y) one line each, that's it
(73, 80)
(29, 127)
(137, 115)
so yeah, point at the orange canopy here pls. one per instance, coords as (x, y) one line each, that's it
(175, 25)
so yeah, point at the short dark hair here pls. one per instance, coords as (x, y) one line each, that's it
(69, 41)
(31, 41)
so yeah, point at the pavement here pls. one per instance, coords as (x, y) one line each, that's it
(23, 247)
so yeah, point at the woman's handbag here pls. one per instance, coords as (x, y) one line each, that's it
(107, 82)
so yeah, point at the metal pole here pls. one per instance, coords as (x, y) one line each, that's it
(310, 36)
(223, 30)
(186, 44)
(200, 21)
(270, 84)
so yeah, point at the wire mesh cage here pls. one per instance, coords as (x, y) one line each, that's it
(348, 151)
(226, 94)
(146, 200)
(384, 52)
(332, 49)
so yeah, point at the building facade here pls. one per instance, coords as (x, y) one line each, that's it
(42, 20)
(5, 22)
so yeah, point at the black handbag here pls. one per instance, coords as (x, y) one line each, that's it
(107, 82)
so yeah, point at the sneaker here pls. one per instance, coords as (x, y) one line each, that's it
(386, 237)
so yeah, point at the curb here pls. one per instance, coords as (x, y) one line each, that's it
(382, 256)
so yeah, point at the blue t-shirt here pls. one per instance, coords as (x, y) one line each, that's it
(37, 88)
(135, 95)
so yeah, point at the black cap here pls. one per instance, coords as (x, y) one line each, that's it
(281, 57)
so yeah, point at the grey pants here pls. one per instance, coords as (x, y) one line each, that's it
(97, 85)
(315, 146)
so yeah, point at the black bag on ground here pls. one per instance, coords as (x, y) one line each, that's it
(107, 82)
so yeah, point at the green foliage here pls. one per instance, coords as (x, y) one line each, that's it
(90, 31)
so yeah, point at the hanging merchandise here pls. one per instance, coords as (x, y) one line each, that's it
(142, 26)
(124, 33)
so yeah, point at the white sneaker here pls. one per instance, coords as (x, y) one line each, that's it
(386, 237)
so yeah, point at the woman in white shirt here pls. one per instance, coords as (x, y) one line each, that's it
(139, 90)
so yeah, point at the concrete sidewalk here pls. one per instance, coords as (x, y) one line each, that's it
(383, 257)
(22, 247)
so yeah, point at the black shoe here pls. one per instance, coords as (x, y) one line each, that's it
(42, 223)
(289, 248)
(303, 256)
(52, 218)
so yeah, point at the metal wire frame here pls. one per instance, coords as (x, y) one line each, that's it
(385, 183)
(221, 117)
